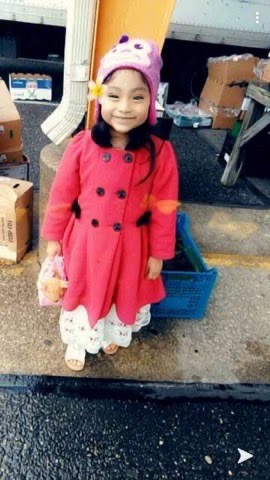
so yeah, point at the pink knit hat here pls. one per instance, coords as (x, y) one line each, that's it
(137, 54)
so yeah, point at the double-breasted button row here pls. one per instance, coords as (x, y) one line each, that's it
(128, 158)
(121, 194)
(106, 157)
(117, 227)
(100, 191)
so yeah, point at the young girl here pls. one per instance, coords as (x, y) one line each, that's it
(112, 209)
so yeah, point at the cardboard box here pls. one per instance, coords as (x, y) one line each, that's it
(222, 102)
(30, 86)
(222, 117)
(11, 155)
(10, 128)
(226, 123)
(217, 97)
(16, 206)
(13, 170)
(222, 95)
(231, 69)
(262, 70)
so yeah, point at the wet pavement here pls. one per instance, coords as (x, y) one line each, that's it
(67, 437)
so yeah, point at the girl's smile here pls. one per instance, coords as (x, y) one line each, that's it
(124, 118)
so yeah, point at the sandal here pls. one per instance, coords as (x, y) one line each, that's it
(110, 349)
(76, 355)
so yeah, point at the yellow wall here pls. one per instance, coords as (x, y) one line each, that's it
(148, 19)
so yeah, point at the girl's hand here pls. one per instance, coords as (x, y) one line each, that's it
(154, 267)
(53, 248)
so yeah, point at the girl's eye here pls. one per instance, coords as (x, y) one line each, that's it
(113, 96)
(138, 97)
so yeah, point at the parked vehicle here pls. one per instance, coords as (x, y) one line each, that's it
(242, 22)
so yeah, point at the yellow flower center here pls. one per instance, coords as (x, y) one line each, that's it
(97, 90)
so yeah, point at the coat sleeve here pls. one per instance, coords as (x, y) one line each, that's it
(164, 198)
(65, 189)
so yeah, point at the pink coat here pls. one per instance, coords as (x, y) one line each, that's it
(105, 252)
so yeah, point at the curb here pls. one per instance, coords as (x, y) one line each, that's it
(155, 391)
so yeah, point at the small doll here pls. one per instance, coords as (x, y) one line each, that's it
(52, 282)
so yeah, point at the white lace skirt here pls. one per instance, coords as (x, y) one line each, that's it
(75, 328)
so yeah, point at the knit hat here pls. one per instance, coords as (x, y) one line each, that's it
(137, 54)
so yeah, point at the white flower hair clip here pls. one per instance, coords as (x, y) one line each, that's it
(97, 90)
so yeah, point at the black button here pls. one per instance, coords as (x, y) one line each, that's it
(106, 157)
(100, 191)
(117, 227)
(128, 158)
(95, 222)
(121, 194)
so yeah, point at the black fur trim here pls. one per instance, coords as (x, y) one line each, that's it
(76, 209)
(144, 219)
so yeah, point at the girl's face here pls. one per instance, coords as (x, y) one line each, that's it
(126, 102)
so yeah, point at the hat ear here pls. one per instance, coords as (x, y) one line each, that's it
(124, 38)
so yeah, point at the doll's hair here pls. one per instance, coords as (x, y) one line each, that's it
(138, 137)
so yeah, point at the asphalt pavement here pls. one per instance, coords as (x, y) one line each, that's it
(62, 437)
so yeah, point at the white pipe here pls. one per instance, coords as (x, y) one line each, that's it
(79, 37)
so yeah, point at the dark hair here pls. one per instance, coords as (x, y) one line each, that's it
(138, 137)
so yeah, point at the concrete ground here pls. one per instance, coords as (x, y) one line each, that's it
(230, 345)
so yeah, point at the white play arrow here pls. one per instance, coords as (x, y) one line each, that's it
(243, 455)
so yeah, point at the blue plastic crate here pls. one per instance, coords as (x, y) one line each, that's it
(187, 292)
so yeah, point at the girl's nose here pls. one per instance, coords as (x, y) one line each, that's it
(124, 105)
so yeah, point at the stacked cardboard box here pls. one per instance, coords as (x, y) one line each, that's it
(16, 195)
(16, 207)
(263, 70)
(11, 147)
(15, 170)
(224, 90)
